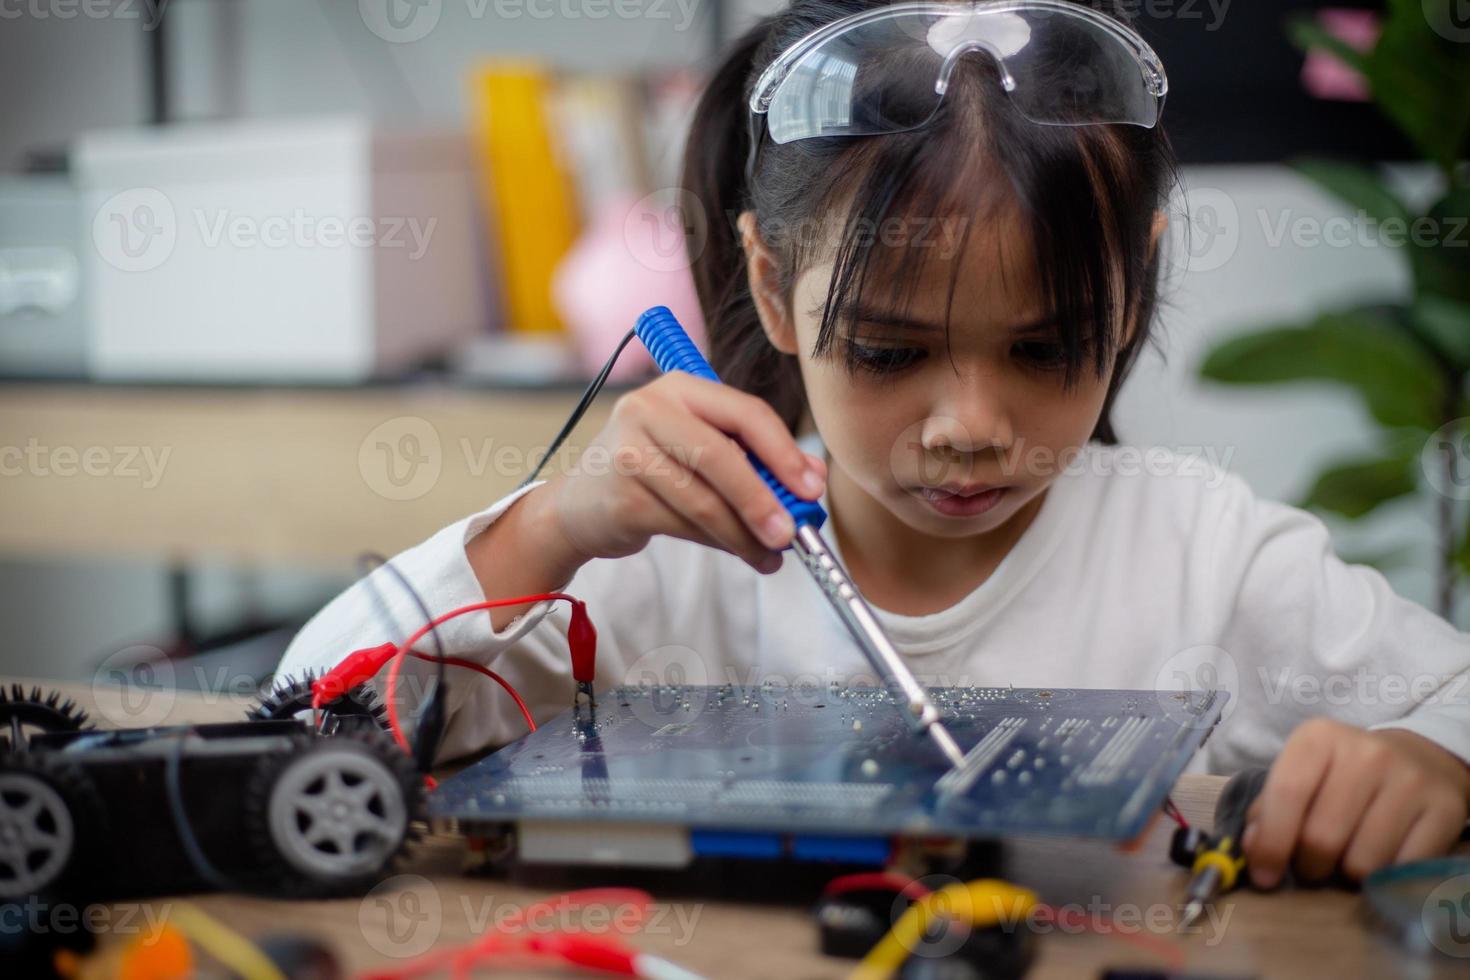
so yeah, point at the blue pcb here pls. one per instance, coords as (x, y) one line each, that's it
(1085, 763)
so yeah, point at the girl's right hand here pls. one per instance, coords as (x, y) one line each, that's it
(668, 462)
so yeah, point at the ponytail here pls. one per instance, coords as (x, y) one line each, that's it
(714, 173)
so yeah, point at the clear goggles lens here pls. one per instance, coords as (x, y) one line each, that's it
(885, 71)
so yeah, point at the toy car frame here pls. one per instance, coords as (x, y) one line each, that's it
(286, 801)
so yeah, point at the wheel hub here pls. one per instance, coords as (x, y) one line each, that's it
(337, 813)
(36, 834)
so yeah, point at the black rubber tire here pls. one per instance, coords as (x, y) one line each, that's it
(294, 793)
(55, 797)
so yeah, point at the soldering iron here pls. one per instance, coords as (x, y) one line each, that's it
(672, 350)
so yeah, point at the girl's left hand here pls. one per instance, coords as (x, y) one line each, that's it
(1340, 796)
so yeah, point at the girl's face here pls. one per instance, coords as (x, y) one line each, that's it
(952, 438)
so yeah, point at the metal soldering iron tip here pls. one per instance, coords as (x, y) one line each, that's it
(947, 745)
(1191, 912)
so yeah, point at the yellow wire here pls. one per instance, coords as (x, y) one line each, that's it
(223, 943)
(983, 903)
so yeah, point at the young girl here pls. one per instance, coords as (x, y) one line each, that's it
(942, 297)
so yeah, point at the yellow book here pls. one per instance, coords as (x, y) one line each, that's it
(529, 196)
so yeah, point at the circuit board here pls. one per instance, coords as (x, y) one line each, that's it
(1083, 763)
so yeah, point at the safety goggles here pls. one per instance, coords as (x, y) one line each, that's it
(886, 70)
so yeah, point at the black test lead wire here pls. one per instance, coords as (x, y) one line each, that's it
(582, 405)
(431, 721)
(584, 688)
(430, 727)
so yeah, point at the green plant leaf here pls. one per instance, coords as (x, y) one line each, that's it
(1420, 80)
(1462, 553)
(1441, 259)
(1445, 322)
(1306, 33)
(1357, 488)
(1396, 379)
(1444, 462)
(1442, 350)
(1357, 185)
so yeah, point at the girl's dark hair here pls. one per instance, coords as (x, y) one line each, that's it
(1089, 194)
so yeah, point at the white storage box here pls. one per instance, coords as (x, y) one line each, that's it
(301, 250)
(42, 331)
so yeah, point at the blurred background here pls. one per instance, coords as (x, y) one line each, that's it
(282, 281)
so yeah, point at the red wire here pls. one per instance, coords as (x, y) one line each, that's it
(1172, 809)
(429, 780)
(510, 940)
(404, 647)
(481, 668)
(1165, 950)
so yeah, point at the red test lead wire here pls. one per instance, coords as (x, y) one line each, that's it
(603, 954)
(582, 659)
(362, 665)
(356, 668)
(528, 937)
(582, 639)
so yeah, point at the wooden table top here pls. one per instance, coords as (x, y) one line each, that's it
(1296, 933)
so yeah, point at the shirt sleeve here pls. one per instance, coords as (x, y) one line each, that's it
(377, 609)
(1308, 634)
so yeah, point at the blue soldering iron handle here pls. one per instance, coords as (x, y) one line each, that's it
(672, 350)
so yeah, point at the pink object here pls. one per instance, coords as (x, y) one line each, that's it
(630, 257)
(1325, 76)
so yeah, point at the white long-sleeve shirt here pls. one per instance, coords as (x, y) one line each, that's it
(1141, 570)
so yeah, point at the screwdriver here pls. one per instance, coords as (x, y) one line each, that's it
(1219, 863)
(672, 350)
